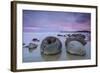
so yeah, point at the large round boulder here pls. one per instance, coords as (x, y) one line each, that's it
(51, 45)
(76, 48)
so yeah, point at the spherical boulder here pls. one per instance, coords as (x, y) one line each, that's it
(51, 45)
(76, 48)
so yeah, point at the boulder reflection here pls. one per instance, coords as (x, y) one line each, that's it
(51, 57)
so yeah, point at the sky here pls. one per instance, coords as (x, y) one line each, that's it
(55, 21)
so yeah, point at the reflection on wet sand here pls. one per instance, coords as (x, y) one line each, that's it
(51, 57)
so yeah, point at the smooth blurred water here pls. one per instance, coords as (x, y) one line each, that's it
(36, 56)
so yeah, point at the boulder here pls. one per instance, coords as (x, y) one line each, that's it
(75, 48)
(32, 46)
(35, 40)
(51, 45)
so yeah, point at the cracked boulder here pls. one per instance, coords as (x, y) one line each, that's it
(75, 48)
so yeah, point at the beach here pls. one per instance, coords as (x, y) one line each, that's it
(36, 56)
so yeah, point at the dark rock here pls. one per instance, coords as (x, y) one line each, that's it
(35, 39)
(79, 36)
(23, 44)
(60, 35)
(76, 37)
